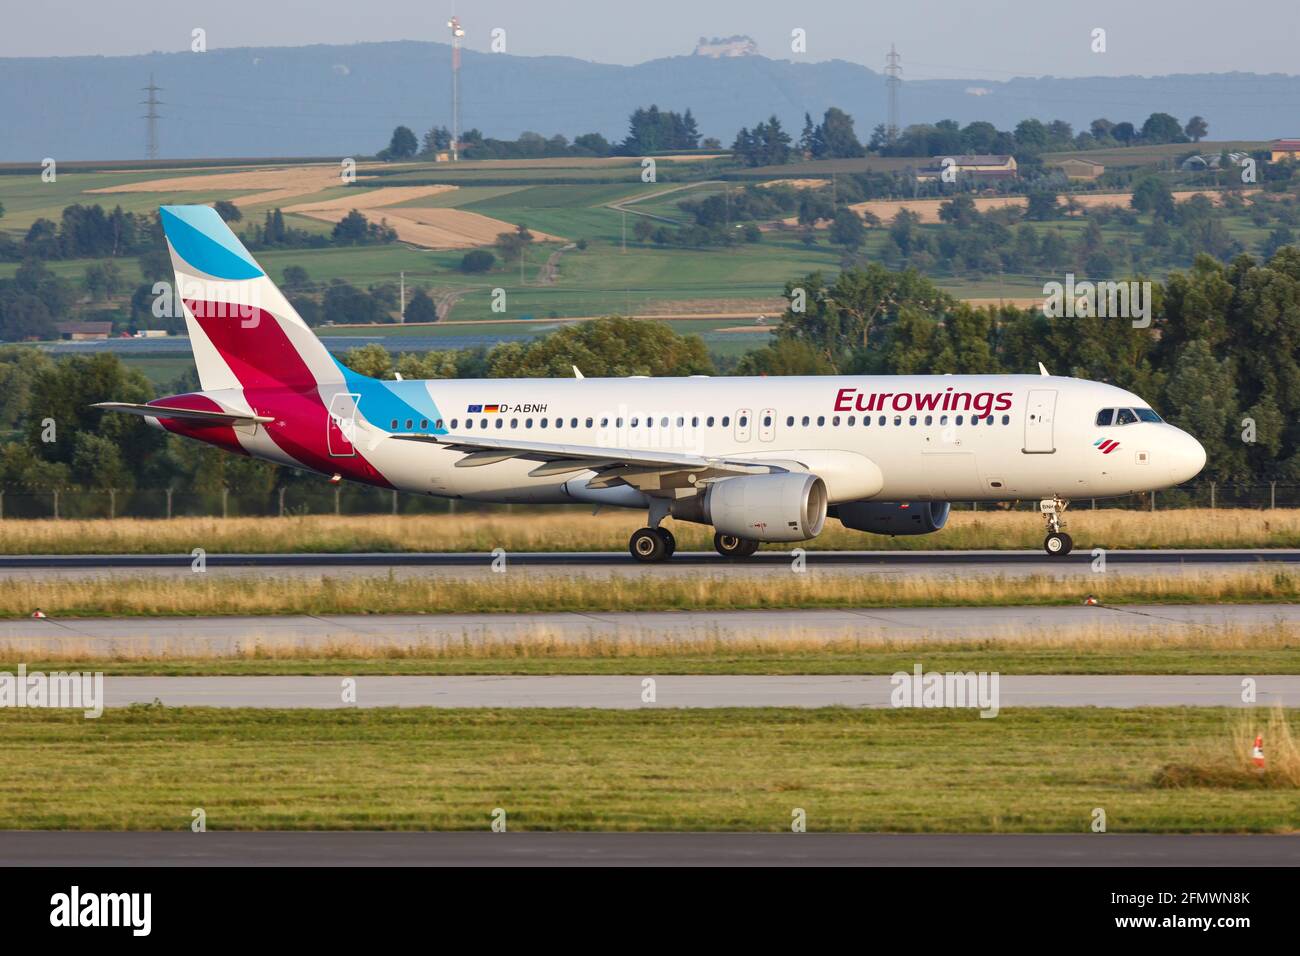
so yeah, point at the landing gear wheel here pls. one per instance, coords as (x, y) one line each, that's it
(670, 543)
(730, 546)
(1058, 544)
(647, 545)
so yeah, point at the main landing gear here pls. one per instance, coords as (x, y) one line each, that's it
(653, 543)
(1057, 544)
(729, 546)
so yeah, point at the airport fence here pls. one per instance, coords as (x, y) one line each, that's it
(325, 499)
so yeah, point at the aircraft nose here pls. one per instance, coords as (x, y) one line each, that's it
(1186, 458)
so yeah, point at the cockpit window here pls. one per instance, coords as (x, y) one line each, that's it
(1125, 416)
(1104, 417)
(1146, 415)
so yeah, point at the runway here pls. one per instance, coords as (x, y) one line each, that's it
(51, 848)
(602, 564)
(630, 692)
(205, 636)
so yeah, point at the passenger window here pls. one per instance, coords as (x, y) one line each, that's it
(744, 421)
(695, 421)
(767, 421)
(789, 422)
(453, 424)
(604, 423)
(394, 428)
(589, 422)
(1105, 417)
(438, 423)
(726, 420)
(929, 419)
(709, 422)
(469, 424)
(500, 422)
(559, 423)
(1006, 419)
(681, 422)
(960, 419)
(835, 421)
(898, 420)
(852, 419)
(409, 423)
(821, 421)
(881, 420)
(663, 423)
(911, 419)
(635, 422)
(806, 420)
(514, 423)
(618, 423)
(528, 423)
(943, 419)
(483, 424)
(424, 423)
(573, 423)
(1125, 416)
(866, 420)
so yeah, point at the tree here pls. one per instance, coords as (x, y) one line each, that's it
(403, 144)
(476, 261)
(1162, 128)
(421, 308)
(834, 137)
(1042, 205)
(1196, 129)
(227, 210)
(351, 230)
(1031, 135)
(1152, 195)
(295, 278)
(612, 347)
(436, 140)
(847, 229)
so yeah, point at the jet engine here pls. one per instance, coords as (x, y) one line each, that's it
(790, 506)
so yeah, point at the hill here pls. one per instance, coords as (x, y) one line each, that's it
(345, 100)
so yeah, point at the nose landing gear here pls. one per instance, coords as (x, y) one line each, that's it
(1057, 544)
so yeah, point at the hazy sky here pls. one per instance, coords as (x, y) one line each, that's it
(993, 39)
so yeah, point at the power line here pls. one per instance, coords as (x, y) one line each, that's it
(893, 80)
(151, 143)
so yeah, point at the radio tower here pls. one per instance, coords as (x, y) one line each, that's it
(457, 34)
(151, 146)
(893, 80)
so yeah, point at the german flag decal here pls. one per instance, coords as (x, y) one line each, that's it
(1105, 445)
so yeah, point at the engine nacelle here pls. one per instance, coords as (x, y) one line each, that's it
(893, 517)
(790, 506)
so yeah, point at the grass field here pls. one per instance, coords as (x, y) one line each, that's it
(1046, 770)
(1262, 650)
(190, 594)
(568, 530)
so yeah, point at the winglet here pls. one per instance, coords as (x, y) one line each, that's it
(577, 372)
(1042, 370)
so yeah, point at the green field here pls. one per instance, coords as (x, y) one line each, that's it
(1043, 770)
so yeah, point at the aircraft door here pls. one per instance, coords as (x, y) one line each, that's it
(1038, 422)
(341, 425)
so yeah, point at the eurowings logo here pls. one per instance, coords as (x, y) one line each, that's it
(1105, 445)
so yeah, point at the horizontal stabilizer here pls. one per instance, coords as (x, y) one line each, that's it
(192, 414)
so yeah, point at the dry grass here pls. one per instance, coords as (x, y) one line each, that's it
(190, 594)
(567, 531)
(1227, 762)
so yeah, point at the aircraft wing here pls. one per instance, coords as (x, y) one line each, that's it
(196, 415)
(645, 469)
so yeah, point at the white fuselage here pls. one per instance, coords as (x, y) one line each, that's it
(982, 438)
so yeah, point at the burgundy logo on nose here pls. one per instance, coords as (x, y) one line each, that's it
(1105, 445)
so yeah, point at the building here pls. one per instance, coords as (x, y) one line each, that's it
(980, 168)
(82, 331)
(1285, 149)
(1195, 164)
(1080, 168)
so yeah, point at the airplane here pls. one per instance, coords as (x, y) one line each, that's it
(759, 459)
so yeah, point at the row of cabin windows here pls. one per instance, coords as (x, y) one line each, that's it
(742, 421)
(898, 420)
(485, 423)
